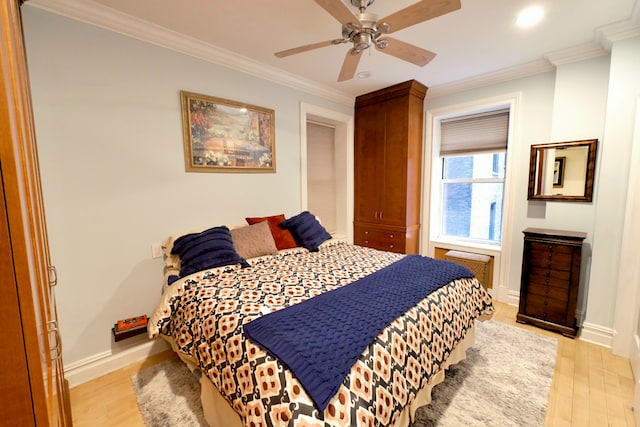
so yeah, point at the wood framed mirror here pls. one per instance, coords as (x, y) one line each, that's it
(562, 171)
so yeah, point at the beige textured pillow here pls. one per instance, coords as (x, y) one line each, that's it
(253, 240)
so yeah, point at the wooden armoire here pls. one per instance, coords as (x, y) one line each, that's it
(388, 166)
(33, 390)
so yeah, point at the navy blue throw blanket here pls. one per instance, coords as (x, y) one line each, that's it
(320, 339)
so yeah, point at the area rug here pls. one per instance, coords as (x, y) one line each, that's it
(504, 381)
(168, 395)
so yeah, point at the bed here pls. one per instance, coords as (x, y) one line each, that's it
(205, 314)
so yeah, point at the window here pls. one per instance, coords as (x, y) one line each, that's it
(473, 160)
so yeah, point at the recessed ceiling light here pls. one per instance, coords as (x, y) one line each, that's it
(363, 75)
(530, 16)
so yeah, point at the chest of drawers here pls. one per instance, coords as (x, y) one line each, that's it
(550, 279)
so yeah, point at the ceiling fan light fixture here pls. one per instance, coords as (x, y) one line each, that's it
(361, 42)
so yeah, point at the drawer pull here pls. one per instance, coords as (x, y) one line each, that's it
(366, 241)
(391, 236)
(546, 303)
(366, 232)
(390, 246)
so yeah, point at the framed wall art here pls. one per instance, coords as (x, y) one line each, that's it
(227, 136)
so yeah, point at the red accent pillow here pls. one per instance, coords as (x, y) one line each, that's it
(283, 237)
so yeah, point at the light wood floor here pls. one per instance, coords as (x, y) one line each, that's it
(590, 387)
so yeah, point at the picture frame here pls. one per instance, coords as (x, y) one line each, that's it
(558, 172)
(221, 135)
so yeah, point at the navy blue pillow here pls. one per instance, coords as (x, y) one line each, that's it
(307, 231)
(207, 249)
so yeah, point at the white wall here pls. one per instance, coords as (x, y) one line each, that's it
(109, 131)
(594, 98)
(611, 201)
(579, 108)
(532, 122)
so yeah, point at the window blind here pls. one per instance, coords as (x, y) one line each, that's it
(476, 132)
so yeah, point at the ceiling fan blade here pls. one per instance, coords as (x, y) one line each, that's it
(408, 52)
(304, 48)
(349, 66)
(418, 12)
(340, 11)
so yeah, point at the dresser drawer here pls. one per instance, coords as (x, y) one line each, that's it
(557, 278)
(547, 309)
(551, 247)
(379, 239)
(554, 260)
(558, 294)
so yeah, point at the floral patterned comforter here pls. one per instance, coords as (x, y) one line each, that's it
(204, 314)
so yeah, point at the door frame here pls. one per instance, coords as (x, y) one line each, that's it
(626, 341)
(343, 124)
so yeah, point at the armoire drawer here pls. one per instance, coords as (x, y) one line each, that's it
(379, 239)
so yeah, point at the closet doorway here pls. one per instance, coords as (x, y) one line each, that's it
(326, 150)
(321, 173)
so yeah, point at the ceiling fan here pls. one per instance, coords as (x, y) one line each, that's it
(365, 29)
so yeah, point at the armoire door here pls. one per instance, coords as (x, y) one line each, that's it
(44, 400)
(393, 174)
(15, 387)
(369, 163)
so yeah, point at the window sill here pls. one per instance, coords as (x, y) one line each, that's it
(465, 245)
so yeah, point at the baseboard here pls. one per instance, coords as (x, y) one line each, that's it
(597, 334)
(513, 298)
(109, 361)
(589, 332)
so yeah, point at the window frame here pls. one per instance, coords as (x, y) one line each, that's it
(432, 212)
(493, 180)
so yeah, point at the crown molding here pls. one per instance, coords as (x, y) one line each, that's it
(576, 53)
(608, 34)
(506, 74)
(98, 15)
(107, 18)
(605, 36)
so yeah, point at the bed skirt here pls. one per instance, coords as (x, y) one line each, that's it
(218, 412)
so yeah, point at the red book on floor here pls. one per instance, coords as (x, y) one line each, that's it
(132, 322)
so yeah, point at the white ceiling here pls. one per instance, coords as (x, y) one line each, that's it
(477, 44)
